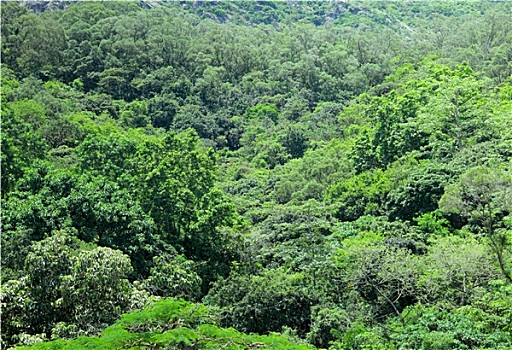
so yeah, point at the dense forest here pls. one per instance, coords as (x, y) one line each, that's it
(256, 175)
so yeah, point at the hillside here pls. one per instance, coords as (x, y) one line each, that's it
(255, 174)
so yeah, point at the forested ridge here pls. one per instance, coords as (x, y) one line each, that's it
(252, 174)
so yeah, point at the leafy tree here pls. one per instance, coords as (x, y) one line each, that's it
(295, 141)
(96, 290)
(162, 110)
(483, 195)
(385, 278)
(116, 82)
(419, 192)
(110, 217)
(265, 303)
(360, 195)
(31, 302)
(21, 145)
(328, 322)
(111, 156)
(135, 114)
(65, 290)
(34, 45)
(394, 136)
(456, 106)
(175, 324)
(99, 210)
(483, 324)
(456, 271)
(173, 276)
(318, 216)
(193, 116)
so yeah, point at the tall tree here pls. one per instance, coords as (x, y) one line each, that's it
(484, 196)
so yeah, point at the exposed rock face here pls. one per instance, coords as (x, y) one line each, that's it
(50, 5)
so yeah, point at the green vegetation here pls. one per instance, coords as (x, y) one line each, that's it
(248, 175)
(174, 324)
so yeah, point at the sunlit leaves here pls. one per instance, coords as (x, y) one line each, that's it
(173, 323)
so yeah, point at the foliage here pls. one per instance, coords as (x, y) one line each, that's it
(264, 303)
(171, 323)
(335, 171)
(483, 325)
(483, 195)
(173, 276)
(66, 290)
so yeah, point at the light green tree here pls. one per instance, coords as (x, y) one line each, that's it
(484, 196)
